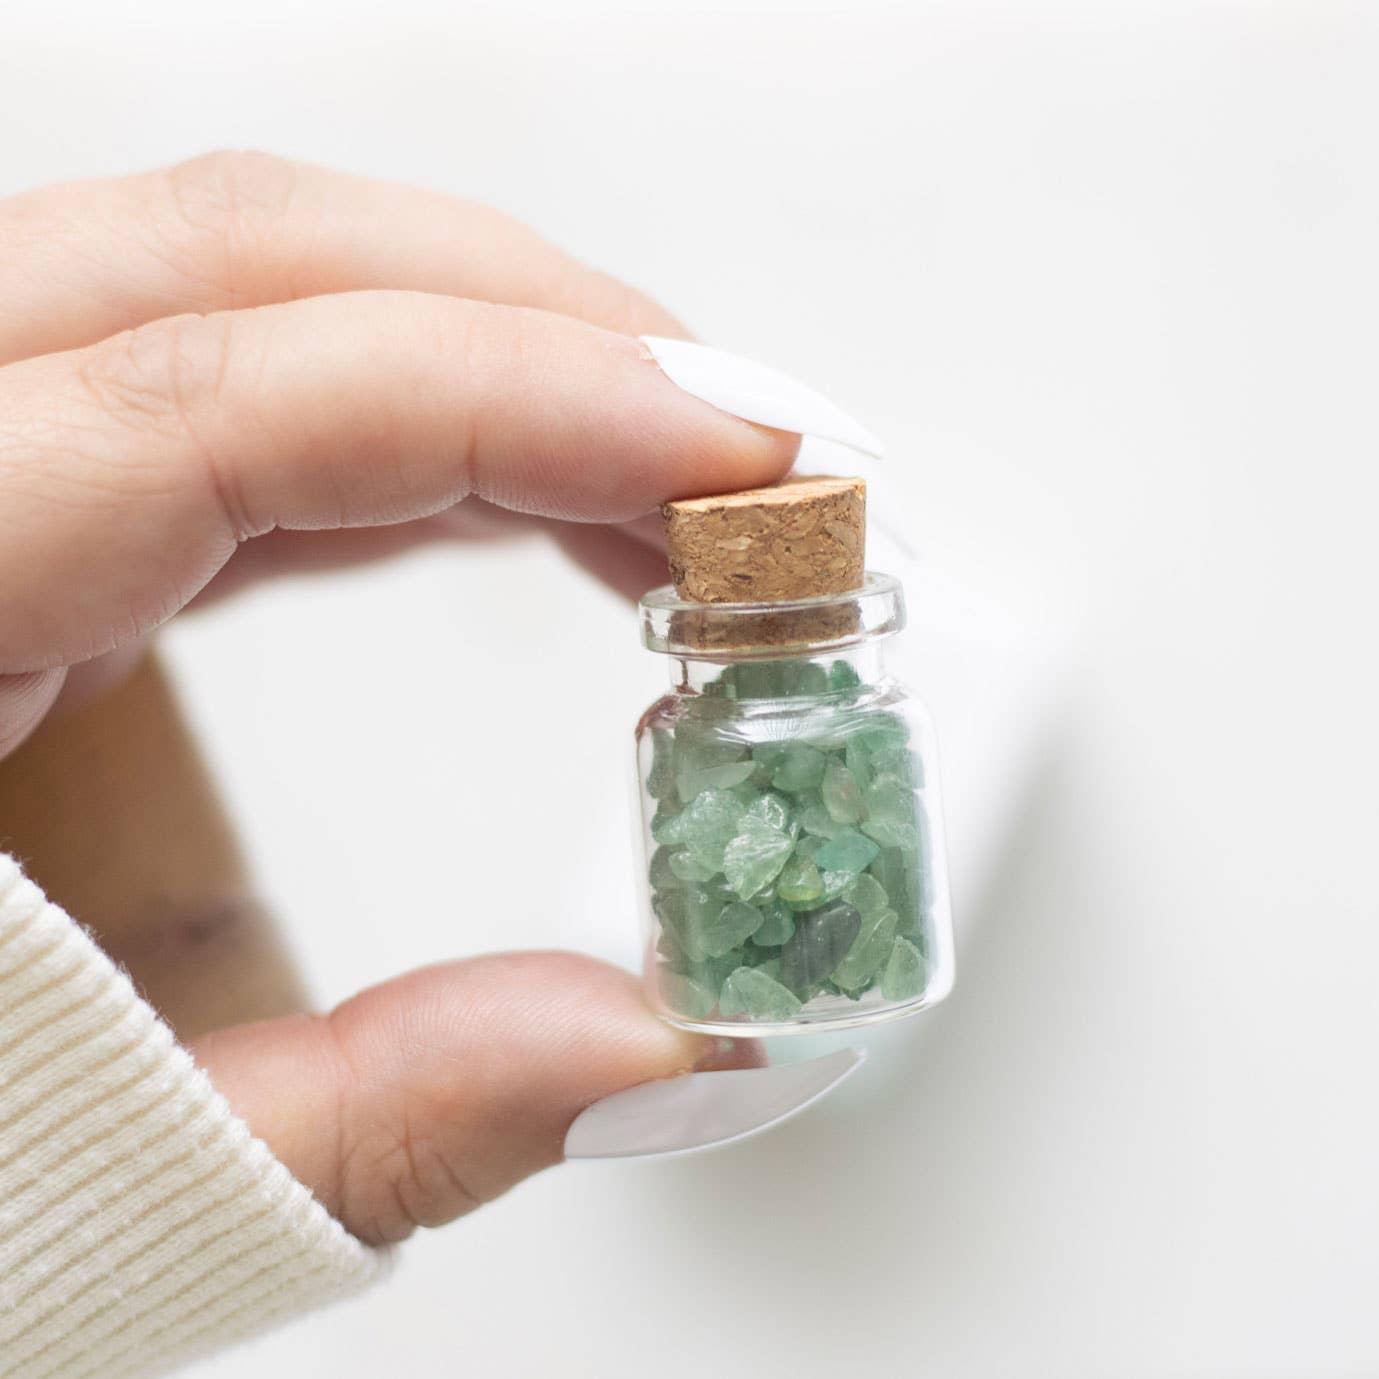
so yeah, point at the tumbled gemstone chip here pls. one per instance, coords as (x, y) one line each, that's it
(771, 809)
(777, 924)
(800, 768)
(799, 881)
(869, 895)
(904, 974)
(849, 851)
(729, 929)
(820, 942)
(842, 796)
(688, 867)
(870, 951)
(754, 856)
(751, 992)
(685, 996)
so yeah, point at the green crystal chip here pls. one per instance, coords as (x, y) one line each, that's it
(660, 779)
(695, 781)
(777, 924)
(842, 796)
(730, 928)
(815, 819)
(800, 768)
(770, 809)
(685, 996)
(799, 881)
(754, 856)
(750, 991)
(893, 833)
(869, 895)
(842, 676)
(903, 978)
(688, 866)
(858, 761)
(849, 851)
(820, 942)
(869, 953)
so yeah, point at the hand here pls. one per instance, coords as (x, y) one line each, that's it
(238, 365)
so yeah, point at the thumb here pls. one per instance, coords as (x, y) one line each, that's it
(418, 1100)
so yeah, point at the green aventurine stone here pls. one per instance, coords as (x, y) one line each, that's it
(893, 833)
(842, 796)
(751, 992)
(897, 873)
(685, 996)
(858, 761)
(660, 779)
(754, 856)
(706, 824)
(820, 942)
(802, 678)
(898, 765)
(695, 781)
(891, 815)
(800, 768)
(843, 676)
(731, 927)
(688, 867)
(904, 974)
(776, 926)
(815, 819)
(869, 895)
(770, 754)
(849, 851)
(869, 952)
(659, 872)
(771, 809)
(882, 731)
(799, 881)
(835, 884)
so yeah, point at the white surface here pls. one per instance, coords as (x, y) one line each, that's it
(686, 1115)
(1103, 277)
(756, 392)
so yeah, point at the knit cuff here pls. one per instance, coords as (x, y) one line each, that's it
(141, 1223)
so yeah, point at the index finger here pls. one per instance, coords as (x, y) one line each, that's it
(130, 470)
(83, 261)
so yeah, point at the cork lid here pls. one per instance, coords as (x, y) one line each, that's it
(769, 571)
(800, 539)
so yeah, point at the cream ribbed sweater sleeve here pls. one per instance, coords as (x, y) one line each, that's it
(141, 1223)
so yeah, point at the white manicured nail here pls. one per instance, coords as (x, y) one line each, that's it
(756, 393)
(703, 1110)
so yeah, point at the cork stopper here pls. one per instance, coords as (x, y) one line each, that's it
(802, 538)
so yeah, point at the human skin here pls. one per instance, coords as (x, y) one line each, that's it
(240, 367)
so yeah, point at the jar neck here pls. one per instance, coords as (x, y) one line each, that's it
(794, 676)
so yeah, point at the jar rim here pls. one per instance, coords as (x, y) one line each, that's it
(762, 631)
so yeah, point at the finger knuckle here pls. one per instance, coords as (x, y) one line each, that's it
(226, 210)
(156, 375)
(164, 379)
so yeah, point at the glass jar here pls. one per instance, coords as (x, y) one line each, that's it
(793, 872)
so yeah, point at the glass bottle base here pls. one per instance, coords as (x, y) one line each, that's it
(803, 1023)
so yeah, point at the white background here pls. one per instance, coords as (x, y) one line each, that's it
(1104, 276)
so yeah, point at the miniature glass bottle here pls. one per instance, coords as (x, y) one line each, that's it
(793, 874)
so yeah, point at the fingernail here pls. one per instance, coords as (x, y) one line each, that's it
(756, 393)
(703, 1110)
